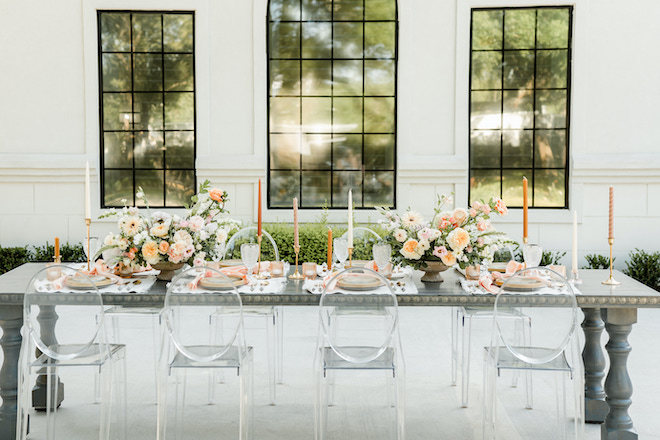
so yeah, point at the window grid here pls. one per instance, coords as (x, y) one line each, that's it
(130, 197)
(534, 129)
(338, 202)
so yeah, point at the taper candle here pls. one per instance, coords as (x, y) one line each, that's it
(259, 211)
(611, 223)
(57, 247)
(574, 265)
(329, 248)
(525, 210)
(295, 222)
(88, 212)
(350, 218)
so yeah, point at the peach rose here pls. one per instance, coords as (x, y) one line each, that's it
(150, 252)
(216, 194)
(460, 216)
(448, 259)
(409, 249)
(163, 247)
(160, 229)
(458, 239)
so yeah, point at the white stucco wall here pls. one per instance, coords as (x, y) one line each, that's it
(49, 115)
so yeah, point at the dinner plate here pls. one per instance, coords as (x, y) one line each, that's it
(231, 263)
(521, 284)
(358, 282)
(497, 267)
(221, 283)
(84, 283)
(356, 263)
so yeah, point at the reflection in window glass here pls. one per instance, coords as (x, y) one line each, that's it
(147, 115)
(520, 68)
(332, 102)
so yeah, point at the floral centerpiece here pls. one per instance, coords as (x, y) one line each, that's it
(462, 237)
(146, 238)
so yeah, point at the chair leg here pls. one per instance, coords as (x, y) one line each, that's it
(279, 325)
(466, 336)
(271, 336)
(180, 400)
(51, 397)
(455, 318)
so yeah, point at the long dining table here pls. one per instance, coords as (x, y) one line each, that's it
(609, 308)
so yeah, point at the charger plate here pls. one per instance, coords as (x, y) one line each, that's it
(358, 282)
(221, 283)
(521, 284)
(231, 263)
(84, 283)
(497, 267)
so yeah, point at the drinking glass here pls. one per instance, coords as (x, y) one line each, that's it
(382, 254)
(250, 256)
(532, 254)
(309, 270)
(93, 248)
(341, 250)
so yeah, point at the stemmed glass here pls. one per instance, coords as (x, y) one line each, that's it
(382, 253)
(532, 254)
(250, 256)
(93, 248)
(341, 250)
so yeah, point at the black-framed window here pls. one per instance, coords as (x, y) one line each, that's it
(332, 102)
(520, 82)
(147, 106)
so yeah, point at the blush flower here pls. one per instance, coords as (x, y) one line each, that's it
(448, 259)
(500, 207)
(409, 249)
(217, 194)
(411, 220)
(131, 225)
(458, 239)
(439, 251)
(150, 252)
(196, 223)
(460, 216)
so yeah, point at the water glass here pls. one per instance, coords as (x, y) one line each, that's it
(532, 254)
(382, 253)
(250, 256)
(340, 245)
(93, 248)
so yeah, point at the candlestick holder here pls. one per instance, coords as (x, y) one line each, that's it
(525, 240)
(575, 277)
(259, 275)
(611, 281)
(350, 257)
(296, 276)
(88, 222)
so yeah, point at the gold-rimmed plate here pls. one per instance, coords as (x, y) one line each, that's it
(358, 282)
(231, 263)
(85, 283)
(498, 267)
(221, 283)
(356, 263)
(521, 284)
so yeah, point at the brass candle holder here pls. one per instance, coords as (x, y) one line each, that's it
(88, 222)
(525, 240)
(611, 281)
(350, 257)
(259, 275)
(297, 275)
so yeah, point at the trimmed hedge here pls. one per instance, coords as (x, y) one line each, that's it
(644, 267)
(11, 257)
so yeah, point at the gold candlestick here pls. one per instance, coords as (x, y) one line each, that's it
(88, 222)
(611, 281)
(525, 239)
(296, 276)
(350, 257)
(259, 276)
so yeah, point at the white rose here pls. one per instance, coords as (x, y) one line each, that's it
(400, 235)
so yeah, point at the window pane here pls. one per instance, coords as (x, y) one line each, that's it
(179, 111)
(550, 188)
(519, 69)
(484, 184)
(285, 77)
(379, 78)
(148, 72)
(519, 28)
(348, 152)
(486, 70)
(551, 109)
(553, 28)
(518, 109)
(148, 111)
(550, 149)
(317, 188)
(285, 115)
(379, 10)
(347, 78)
(179, 187)
(379, 40)
(378, 188)
(178, 33)
(117, 185)
(152, 182)
(179, 73)
(347, 40)
(116, 72)
(316, 115)
(485, 110)
(512, 186)
(487, 30)
(117, 111)
(147, 33)
(348, 10)
(517, 148)
(379, 151)
(316, 151)
(317, 78)
(316, 10)
(285, 151)
(118, 150)
(115, 32)
(149, 149)
(180, 151)
(347, 115)
(379, 115)
(285, 10)
(342, 182)
(317, 40)
(285, 40)
(284, 186)
(485, 149)
(551, 68)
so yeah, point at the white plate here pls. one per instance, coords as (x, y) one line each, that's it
(84, 283)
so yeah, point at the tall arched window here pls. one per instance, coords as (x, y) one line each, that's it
(332, 102)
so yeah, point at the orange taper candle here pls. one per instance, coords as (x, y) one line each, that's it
(259, 211)
(57, 247)
(295, 222)
(525, 209)
(329, 248)
(611, 223)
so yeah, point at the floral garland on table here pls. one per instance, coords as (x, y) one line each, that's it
(148, 239)
(462, 237)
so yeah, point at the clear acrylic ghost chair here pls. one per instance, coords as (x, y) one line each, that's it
(548, 300)
(367, 341)
(461, 336)
(79, 344)
(273, 315)
(191, 298)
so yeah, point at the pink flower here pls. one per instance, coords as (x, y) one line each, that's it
(480, 241)
(460, 216)
(183, 224)
(482, 225)
(473, 212)
(476, 204)
(500, 207)
(485, 208)
(439, 251)
(198, 262)
(196, 223)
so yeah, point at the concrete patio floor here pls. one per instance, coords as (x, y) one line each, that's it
(432, 405)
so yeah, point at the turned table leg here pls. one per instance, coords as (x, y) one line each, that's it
(618, 386)
(11, 321)
(595, 406)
